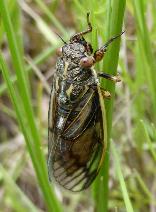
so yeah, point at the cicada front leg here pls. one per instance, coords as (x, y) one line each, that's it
(116, 78)
(106, 94)
(79, 34)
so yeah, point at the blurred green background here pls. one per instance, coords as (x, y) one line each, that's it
(127, 181)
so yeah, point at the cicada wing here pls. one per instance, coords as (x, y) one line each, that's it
(51, 124)
(85, 109)
(80, 148)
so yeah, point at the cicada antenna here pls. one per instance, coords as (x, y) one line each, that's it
(111, 40)
(98, 55)
(60, 38)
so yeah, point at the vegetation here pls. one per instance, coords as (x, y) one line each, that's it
(27, 61)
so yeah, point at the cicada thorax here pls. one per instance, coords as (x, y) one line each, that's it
(73, 84)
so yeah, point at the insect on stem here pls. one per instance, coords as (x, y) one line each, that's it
(76, 117)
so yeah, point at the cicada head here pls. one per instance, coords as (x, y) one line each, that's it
(77, 51)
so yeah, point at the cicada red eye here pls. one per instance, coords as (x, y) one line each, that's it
(86, 62)
(59, 51)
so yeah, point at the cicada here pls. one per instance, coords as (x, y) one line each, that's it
(76, 132)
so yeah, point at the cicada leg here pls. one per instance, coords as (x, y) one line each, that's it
(116, 78)
(79, 34)
(105, 94)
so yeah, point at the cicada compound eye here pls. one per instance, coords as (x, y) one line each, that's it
(86, 62)
(59, 51)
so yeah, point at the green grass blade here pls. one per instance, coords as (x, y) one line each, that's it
(145, 47)
(116, 14)
(149, 142)
(20, 73)
(21, 99)
(16, 194)
(50, 199)
(127, 201)
(40, 23)
(37, 60)
(51, 17)
(143, 185)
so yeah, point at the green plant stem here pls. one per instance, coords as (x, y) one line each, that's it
(37, 60)
(127, 201)
(24, 111)
(51, 17)
(115, 21)
(15, 193)
(146, 51)
(50, 199)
